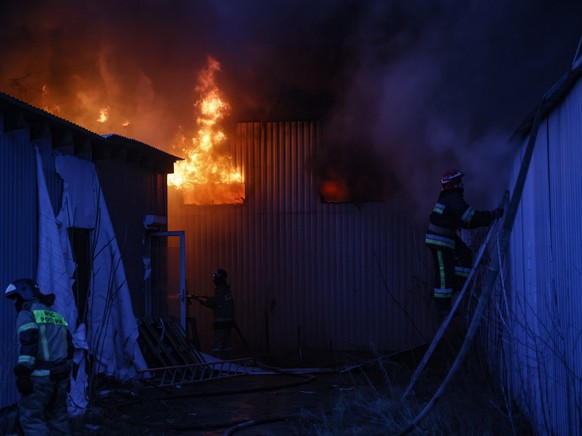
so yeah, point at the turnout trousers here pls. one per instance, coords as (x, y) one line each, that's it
(223, 343)
(44, 411)
(451, 269)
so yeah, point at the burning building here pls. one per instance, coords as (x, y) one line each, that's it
(307, 274)
(318, 260)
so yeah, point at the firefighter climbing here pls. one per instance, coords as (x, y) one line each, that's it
(452, 257)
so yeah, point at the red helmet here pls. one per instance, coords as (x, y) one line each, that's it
(451, 178)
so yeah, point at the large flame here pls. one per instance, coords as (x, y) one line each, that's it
(207, 175)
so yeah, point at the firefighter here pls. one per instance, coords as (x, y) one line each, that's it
(222, 305)
(44, 360)
(452, 257)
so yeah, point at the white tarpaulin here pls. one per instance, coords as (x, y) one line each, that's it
(110, 333)
(56, 266)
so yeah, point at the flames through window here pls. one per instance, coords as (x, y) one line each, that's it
(207, 175)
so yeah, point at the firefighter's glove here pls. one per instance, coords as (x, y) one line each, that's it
(498, 213)
(23, 381)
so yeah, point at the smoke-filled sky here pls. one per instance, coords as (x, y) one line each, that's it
(405, 88)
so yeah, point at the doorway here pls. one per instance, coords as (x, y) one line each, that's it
(166, 284)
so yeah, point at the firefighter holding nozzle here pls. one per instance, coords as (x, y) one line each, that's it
(222, 305)
(452, 257)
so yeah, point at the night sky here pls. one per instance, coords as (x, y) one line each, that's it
(405, 89)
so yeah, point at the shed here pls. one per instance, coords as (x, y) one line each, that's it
(74, 218)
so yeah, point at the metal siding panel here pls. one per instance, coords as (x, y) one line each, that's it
(543, 354)
(565, 181)
(18, 225)
(309, 270)
(130, 194)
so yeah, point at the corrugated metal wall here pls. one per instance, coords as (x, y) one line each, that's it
(18, 243)
(304, 273)
(538, 318)
(131, 194)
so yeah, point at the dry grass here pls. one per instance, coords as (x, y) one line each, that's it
(472, 405)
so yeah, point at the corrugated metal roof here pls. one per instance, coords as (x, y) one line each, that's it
(133, 144)
(18, 114)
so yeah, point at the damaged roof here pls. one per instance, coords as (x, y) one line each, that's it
(73, 139)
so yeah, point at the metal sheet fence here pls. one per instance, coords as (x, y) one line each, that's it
(536, 317)
(18, 241)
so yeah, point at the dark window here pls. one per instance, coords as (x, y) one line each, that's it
(348, 173)
(81, 246)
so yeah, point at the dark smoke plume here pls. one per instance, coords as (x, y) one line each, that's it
(418, 86)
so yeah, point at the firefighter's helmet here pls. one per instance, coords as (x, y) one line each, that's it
(25, 289)
(452, 179)
(219, 276)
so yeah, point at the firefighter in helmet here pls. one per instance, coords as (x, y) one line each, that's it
(222, 305)
(44, 360)
(452, 257)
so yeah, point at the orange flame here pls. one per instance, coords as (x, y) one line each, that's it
(103, 115)
(206, 175)
(333, 189)
(54, 109)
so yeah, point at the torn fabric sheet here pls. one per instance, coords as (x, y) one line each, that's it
(55, 271)
(112, 330)
(55, 268)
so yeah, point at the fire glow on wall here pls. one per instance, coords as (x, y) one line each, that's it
(207, 175)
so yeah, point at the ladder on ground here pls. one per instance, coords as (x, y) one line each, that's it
(195, 373)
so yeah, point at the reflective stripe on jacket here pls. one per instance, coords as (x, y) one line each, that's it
(44, 340)
(450, 214)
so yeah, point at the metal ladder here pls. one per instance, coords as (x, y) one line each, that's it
(195, 373)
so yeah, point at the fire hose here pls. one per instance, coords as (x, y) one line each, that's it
(454, 308)
(492, 271)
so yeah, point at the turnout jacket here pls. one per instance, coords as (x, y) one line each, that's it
(450, 214)
(223, 306)
(44, 340)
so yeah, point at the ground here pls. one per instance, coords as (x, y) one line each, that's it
(355, 395)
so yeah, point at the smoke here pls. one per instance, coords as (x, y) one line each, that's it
(405, 89)
(439, 85)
